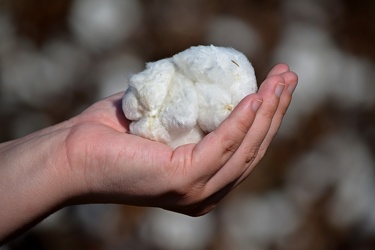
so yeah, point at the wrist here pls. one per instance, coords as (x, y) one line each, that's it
(36, 180)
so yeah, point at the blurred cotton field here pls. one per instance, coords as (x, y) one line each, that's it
(315, 187)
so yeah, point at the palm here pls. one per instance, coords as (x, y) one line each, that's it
(101, 144)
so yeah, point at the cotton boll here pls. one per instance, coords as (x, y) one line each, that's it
(218, 65)
(197, 63)
(215, 104)
(152, 85)
(246, 83)
(143, 100)
(181, 138)
(150, 127)
(180, 112)
(188, 94)
(131, 106)
(223, 76)
(239, 73)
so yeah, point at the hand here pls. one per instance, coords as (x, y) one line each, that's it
(92, 158)
(117, 167)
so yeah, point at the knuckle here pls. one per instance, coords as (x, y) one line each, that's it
(269, 113)
(241, 127)
(230, 144)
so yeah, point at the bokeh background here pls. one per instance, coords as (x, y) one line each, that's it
(315, 187)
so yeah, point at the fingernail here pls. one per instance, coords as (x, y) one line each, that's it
(256, 104)
(291, 89)
(279, 89)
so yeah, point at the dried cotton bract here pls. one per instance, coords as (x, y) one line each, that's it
(179, 99)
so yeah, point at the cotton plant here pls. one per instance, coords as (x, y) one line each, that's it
(178, 100)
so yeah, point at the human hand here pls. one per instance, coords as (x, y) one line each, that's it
(113, 166)
(92, 158)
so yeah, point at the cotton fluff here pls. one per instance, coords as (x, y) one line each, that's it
(178, 100)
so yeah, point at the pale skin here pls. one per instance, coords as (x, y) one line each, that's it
(92, 158)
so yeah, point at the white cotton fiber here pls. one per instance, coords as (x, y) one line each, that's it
(179, 99)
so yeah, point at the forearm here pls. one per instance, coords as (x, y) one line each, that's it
(34, 179)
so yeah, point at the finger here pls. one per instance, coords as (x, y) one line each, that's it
(215, 149)
(278, 69)
(247, 152)
(291, 80)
